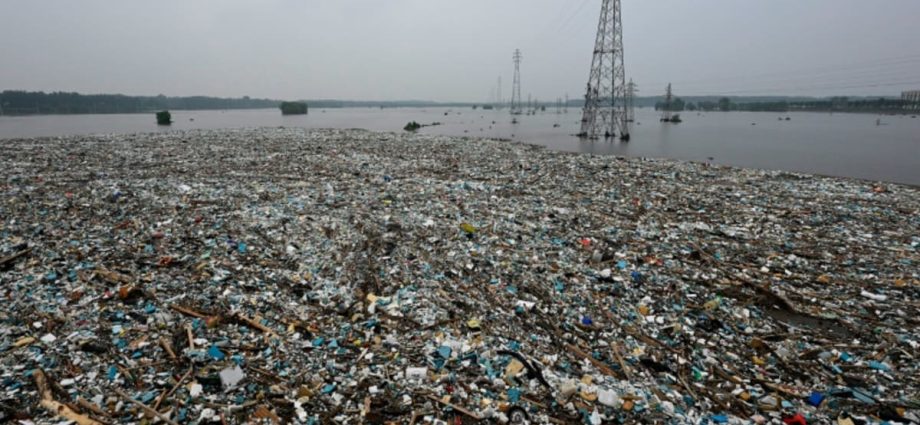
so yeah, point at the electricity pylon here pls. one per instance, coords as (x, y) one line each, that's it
(516, 87)
(605, 101)
(668, 99)
(631, 91)
(500, 99)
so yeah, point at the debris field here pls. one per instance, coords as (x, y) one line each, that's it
(341, 276)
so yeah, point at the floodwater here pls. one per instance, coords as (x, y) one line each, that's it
(846, 145)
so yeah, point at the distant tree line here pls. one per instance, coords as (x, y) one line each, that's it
(833, 104)
(23, 102)
(14, 102)
(678, 105)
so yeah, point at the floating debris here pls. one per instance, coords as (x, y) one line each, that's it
(343, 276)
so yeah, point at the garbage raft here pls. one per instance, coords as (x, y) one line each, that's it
(342, 276)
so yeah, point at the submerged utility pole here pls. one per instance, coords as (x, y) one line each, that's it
(605, 101)
(516, 88)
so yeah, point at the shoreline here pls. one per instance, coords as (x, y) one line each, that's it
(320, 264)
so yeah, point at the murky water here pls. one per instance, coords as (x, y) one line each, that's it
(848, 145)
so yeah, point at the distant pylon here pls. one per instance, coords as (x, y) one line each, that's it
(631, 91)
(500, 100)
(516, 87)
(668, 99)
(605, 102)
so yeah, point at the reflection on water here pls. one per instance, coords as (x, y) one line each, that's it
(849, 145)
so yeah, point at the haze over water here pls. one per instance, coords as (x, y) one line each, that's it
(844, 145)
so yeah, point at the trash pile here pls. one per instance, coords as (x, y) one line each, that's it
(342, 276)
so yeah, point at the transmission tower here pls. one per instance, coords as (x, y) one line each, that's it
(605, 101)
(631, 91)
(500, 100)
(516, 87)
(668, 97)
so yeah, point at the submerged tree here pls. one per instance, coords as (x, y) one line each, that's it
(293, 108)
(164, 118)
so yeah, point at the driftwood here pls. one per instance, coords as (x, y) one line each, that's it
(606, 370)
(144, 407)
(56, 407)
(457, 408)
(9, 260)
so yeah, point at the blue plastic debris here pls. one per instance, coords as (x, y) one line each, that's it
(148, 396)
(514, 395)
(879, 366)
(586, 320)
(215, 353)
(719, 419)
(815, 399)
(863, 396)
(444, 351)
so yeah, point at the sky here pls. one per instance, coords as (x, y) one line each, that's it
(454, 50)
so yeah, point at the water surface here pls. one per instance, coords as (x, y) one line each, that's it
(846, 145)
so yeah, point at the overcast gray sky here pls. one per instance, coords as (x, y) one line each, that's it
(453, 50)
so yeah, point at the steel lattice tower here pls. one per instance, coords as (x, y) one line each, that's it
(666, 115)
(500, 99)
(605, 101)
(516, 88)
(631, 91)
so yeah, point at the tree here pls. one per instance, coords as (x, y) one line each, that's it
(677, 105)
(293, 108)
(725, 104)
(164, 118)
(707, 105)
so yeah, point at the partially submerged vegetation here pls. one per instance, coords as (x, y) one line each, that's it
(164, 118)
(293, 108)
(414, 126)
